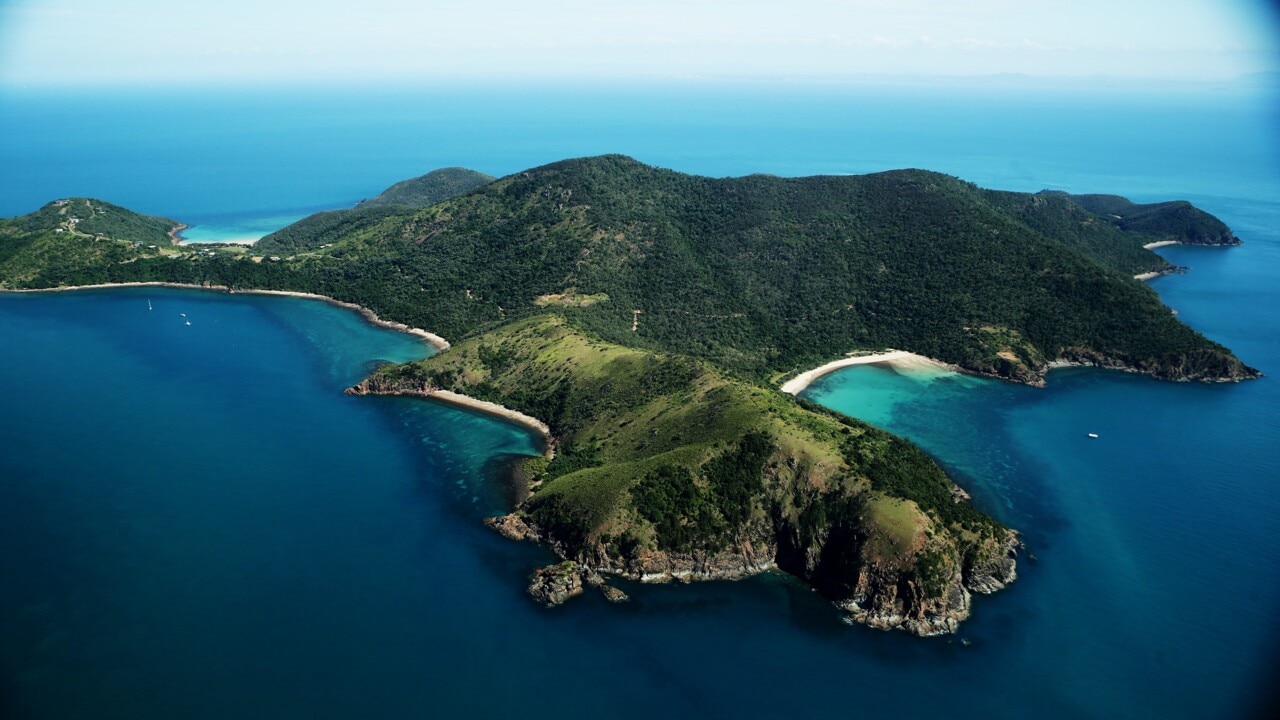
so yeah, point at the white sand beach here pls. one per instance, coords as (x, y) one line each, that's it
(897, 358)
(501, 411)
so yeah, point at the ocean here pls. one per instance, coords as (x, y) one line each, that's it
(196, 522)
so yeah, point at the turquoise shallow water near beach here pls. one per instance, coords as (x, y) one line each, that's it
(236, 228)
(196, 522)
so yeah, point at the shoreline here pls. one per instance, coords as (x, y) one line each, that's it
(175, 236)
(469, 403)
(1171, 270)
(1161, 243)
(441, 345)
(492, 408)
(370, 316)
(175, 233)
(896, 358)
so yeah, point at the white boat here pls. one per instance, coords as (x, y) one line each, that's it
(1092, 435)
(183, 314)
(148, 303)
(189, 322)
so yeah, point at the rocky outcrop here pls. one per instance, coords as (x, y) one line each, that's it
(554, 584)
(610, 593)
(1199, 365)
(885, 601)
(753, 553)
(991, 572)
(1213, 239)
(513, 527)
(382, 384)
(924, 592)
(1203, 364)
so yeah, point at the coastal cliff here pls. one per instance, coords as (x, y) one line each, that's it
(1197, 365)
(925, 591)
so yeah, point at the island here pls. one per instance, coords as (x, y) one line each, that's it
(643, 320)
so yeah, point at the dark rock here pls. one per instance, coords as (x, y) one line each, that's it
(610, 593)
(554, 584)
(513, 527)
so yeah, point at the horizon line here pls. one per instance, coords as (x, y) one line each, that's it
(1259, 79)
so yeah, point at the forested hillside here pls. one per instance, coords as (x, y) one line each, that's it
(761, 275)
(324, 228)
(436, 186)
(70, 235)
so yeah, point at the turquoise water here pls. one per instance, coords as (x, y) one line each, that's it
(237, 228)
(1157, 547)
(195, 522)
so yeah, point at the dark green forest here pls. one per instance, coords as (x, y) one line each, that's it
(760, 275)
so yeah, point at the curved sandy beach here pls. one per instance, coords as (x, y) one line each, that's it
(438, 342)
(897, 358)
(501, 411)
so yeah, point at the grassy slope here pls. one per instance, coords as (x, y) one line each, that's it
(656, 452)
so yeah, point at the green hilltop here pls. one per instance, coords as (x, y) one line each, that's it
(327, 227)
(1176, 221)
(67, 235)
(436, 186)
(647, 317)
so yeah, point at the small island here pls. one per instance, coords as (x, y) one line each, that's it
(643, 320)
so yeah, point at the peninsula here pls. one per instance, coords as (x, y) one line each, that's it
(647, 317)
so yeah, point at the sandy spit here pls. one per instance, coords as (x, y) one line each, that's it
(499, 410)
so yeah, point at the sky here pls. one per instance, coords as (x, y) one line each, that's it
(114, 42)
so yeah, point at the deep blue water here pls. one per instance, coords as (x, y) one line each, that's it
(234, 162)
(195, 522)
